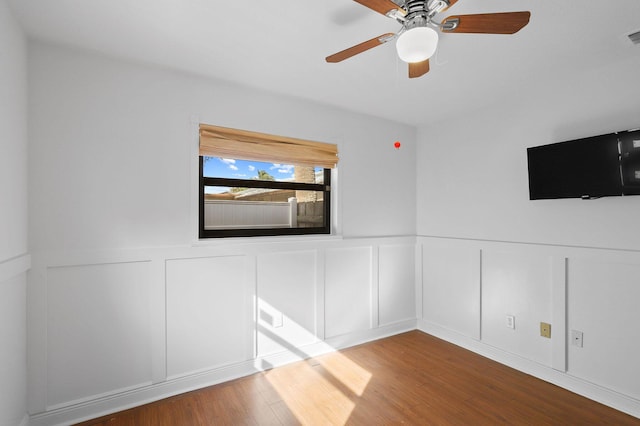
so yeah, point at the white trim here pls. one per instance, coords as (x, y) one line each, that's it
(194, 167)
(559, 313)
(589, 390)
(158, 323)
(320, 289)
(97, 397)
(212, 247)
(37, 337)
(336, 200)
(15, 266)
(419, 284)
(478, 335)
(374, 287)
(554, 248)
(135, 397)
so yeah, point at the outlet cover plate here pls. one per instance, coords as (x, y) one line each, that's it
(576, 338)
(511, 321)
(545, 330)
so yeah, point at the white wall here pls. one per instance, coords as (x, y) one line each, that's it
(472, 174)
(115, 141)
(126, 305)
(569, 262)
(13, 137)
(14, 258)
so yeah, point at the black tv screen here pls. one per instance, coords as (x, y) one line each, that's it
(582, 168)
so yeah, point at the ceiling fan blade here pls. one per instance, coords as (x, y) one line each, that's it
(486, 23)
(418, 69)
(382, 6)
(359, 48)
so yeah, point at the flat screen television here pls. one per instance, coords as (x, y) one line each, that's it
(588, 168)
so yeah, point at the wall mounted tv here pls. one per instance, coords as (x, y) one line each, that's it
(589, 168)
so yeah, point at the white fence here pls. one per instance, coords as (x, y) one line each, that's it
(226, 214)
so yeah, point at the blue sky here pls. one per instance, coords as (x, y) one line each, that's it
(244, 169)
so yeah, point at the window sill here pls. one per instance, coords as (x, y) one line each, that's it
(217, 242)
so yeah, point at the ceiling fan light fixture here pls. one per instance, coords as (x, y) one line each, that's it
(417, 44)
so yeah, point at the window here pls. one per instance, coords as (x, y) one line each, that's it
(254, 184)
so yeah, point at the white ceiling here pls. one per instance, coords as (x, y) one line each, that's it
(280, 46)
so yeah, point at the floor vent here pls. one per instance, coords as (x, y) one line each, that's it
(635, 37)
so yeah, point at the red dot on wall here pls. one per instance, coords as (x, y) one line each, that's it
(396, 145)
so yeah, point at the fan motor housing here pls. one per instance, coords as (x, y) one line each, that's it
(421, 11)
(416, 8)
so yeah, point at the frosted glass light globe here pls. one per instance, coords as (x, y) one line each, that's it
(417, 44)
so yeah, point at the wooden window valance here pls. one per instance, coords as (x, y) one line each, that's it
(224, 142)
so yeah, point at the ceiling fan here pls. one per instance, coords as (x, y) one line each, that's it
(417, 40)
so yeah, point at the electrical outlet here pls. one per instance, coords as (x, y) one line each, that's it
(511, 321)
(545, 330)
(576, 338)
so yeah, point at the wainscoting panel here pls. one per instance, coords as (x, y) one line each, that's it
(591, 290)
(517, 284)
(98, 330)
(604, 295)
(396, 283)
(286, 301)
(451, 287)
(208, 313)
(348, 288)
(13, 348)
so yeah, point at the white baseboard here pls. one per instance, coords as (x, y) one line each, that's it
(332, 344)
(104, 406)
(125, 400)
(574, 384)
(144, 395)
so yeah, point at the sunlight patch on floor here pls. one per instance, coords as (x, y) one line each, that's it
(320, 391)
(348, 372)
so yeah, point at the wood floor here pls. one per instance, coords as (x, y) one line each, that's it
(412, 378)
